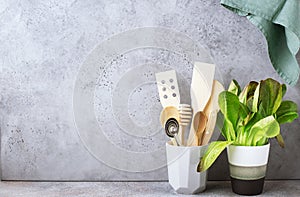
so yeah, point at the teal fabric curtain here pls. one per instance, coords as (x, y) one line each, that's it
(279, 21)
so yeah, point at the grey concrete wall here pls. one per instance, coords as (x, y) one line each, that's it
(43, 48)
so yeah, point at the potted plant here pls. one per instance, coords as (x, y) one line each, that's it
(251, 117)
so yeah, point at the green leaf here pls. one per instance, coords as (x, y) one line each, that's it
(287, 112)
(241, 139)
(262, 141)
(230, 107)
(220, 121)
(234, 87)
(250, 102)
(248, 92)
(228, 130)
(212, 153)
(254, 118)
(280, 140)
(243, 111)
(285, 107)
(287, 118)
(255, 102)
(283, 89)
(267, 127)
(270, 96)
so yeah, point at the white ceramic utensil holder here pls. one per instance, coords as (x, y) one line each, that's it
(182, 168)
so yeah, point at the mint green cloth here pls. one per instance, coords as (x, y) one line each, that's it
(279, 21)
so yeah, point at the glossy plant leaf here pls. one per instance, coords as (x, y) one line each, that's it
(267, 127)
(287, 117)
(270, 96)
(243, 111)
(251, 117)
(287, 112)
(241, 137)
(254, 118)
(230, 106)
(250, 102)
(284, 88)
(261, 142)
(234, 87)
(255, 102)
(220, 121)
(228, 130)
(248, 92)
(212, 153)
(280, 140)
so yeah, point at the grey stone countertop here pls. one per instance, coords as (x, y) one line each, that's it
(53, 189)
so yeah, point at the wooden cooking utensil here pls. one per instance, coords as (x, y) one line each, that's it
(202, 79)
(200, 121)
(210, 126)
(167, 113)
(211, 110)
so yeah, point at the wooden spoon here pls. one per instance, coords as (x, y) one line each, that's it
(200, 121)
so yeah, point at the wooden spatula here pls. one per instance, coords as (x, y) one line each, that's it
(203, 75)
(211, 110)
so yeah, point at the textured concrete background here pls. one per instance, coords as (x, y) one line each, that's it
(44, 44)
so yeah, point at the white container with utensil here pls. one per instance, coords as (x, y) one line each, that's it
(182, 168)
